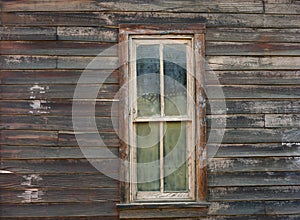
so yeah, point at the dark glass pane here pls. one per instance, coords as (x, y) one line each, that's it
(148, 171)
(175, 165)
(148, 83)
(175, 79)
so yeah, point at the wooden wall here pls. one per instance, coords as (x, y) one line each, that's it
(253, 46)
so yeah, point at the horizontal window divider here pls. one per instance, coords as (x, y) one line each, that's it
(162, 119)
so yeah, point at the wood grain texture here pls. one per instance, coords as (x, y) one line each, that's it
(282, 120)
(254, 193)
(282, 7)
(250, 63)
(263, 106)
(254, 179)
(255, 77)
(254, 150)
(28, 33)
(114, 5)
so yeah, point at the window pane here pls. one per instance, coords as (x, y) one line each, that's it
(148, 156)
(175, 79)
(148, 89)
(175, 157)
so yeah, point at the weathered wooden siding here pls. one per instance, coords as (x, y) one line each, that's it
(251, 45)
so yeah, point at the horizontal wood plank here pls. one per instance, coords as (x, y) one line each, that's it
(270, 164)
(254, 179)
(114, 5)
(19, 137)
(263, 35)
(57, 48)
(282, 7)
(283, 120)
(37, 152)
(253, 150)
(256, 77)
(252, 49)
(235, 121)
(88, 139)
(244, 135)
(62, 123)
(27, 62)
(87, 34)
(253, 92)
(59, 108)
(254, 107)
(57, 76)
(51, 166)
(57, 181)
(45, 92)
(28, 33)
(254, 208)
(250, 63)
(102, 63)
(254, 193)
(60, 209)
(58, 195)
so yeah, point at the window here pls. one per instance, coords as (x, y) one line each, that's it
(162, 110)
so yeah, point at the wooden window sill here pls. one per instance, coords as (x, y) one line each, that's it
(162, 210)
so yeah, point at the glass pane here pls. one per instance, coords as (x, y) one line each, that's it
(148, 89)
(175, 165)
(175, 79)
(148, 172)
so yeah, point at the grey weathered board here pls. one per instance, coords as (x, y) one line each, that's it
(252, 54)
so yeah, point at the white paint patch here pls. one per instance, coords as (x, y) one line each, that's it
(31, 180)
(31, 195)
(5, 171)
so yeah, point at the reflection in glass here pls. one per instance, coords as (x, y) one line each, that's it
(148, 83)
(175, 157)
(175, 79)
(147, 152)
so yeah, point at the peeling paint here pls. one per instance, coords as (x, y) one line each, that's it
(31, 195)
(31, 180)
(5, 171)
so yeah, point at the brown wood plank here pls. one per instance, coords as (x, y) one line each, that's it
(235, 121)
(269, 164)
(254, 217)
(254, 150)
(254, 92)
(62, 123)
(15, 196)
(251, 62)
(230, 34)
(252, 49)
(244, 135)
(60, 209)
(102, 63)
(248, 208)
(58, 108)
(282, 7)
(27, 62)
(88, 139)
(28, 33)
(55, 166)
(256, 77)
(254, 179)
(57, 76)
(282, 120)
(57, 181)
(37, 152)
(57, 48)
(255, 106)
(237, 208)
(254, 193)
(46, 92)
(87, 34)
(16, 137)
(114, 5)
(283, 207)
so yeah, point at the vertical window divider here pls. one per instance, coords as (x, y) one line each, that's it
(162, 113)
